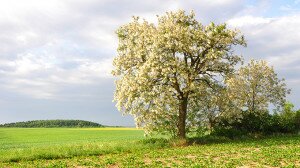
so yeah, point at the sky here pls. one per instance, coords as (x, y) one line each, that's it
(56, 55)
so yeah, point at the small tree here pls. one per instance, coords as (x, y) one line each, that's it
(162, 68)
(288, 118)
(256, 86)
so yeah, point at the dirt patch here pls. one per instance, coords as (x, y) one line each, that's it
(147, 161)
(191, 156)
(113, 166)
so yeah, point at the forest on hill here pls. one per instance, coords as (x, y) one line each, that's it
(52, 124)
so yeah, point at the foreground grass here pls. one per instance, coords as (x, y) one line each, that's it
(136, 152)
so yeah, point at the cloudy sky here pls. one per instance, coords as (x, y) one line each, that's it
(56, 55)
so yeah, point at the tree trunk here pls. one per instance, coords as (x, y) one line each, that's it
(182, 118)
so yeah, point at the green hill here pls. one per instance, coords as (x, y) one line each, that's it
(52, 124)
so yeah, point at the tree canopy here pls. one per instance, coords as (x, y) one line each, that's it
(256, 86)
(164, 69)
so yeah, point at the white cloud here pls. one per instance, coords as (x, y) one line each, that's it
(40, 77)
(248, 21)
(271, 37)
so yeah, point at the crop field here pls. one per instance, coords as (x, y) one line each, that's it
(126, 147)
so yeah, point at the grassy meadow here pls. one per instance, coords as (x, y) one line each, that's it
(126, 147)
(47, 143)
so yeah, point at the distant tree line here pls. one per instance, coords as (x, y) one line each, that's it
(52, 124)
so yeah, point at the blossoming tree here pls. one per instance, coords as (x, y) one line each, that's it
(256, 86)
(163, 69)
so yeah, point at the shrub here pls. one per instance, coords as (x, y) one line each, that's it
(229, 132)
(297, 120)
(260, 123)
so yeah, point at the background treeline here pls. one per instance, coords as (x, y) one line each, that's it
(52, 124)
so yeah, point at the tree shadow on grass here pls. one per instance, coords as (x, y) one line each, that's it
(211, 140)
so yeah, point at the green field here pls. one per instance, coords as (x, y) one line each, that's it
(125, 147)
(46, 143)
